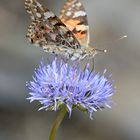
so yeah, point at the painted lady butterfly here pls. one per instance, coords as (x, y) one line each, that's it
(67, 35)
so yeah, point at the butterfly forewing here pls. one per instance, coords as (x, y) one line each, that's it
(47, 29)
(73, 14)
(67, 35)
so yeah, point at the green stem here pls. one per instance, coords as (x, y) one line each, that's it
(57, 123)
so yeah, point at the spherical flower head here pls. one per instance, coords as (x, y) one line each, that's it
(58, 84)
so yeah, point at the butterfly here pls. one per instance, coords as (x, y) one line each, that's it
(66, 35)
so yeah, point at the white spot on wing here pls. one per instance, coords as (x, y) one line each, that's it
(82, 28)
(38, 15)
(78, 4)
(73, 5)
(79, 13)
(48, 15)
(68, 13)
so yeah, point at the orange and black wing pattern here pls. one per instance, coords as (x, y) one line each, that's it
(74, 16)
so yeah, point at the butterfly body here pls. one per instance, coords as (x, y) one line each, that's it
(67, 35)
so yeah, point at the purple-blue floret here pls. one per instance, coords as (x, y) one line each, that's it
(59, 83)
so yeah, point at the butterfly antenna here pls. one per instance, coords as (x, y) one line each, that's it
(123, 37)
(108, 42)
(101, 51)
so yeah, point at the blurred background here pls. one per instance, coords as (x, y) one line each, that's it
(109, 20)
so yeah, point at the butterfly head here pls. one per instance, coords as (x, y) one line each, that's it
(90, 52)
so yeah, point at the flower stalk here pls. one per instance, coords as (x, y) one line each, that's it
(57, 123)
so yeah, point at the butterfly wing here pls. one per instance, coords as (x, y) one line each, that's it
(74, 16)
(47, 29)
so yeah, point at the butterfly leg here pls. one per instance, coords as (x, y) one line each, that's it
(93, 64)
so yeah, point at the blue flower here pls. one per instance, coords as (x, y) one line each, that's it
(59, 84)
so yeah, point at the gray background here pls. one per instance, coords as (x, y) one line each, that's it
(109, 20)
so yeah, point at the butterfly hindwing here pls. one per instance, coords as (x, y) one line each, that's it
(47, 29)
(73, 14)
